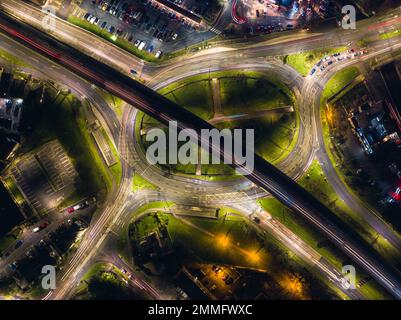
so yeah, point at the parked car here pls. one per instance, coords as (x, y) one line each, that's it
(80, 206)
(142, 45)
(158, 54)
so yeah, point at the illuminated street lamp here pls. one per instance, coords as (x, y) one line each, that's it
(223, 241)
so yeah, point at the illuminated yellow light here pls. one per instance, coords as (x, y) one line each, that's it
(253, 256)
(223, 241)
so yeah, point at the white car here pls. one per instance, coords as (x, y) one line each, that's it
(158, 54)
(174, 37)
(142, 45)
(92, 20)
(137, 43)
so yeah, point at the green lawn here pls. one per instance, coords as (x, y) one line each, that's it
(233, 242)
(245, 95)
(339, 81)
(156, 206)
(12, 59)
(5, 242)
(115, 169)
(241, 92)
(12, 187)
(139, 183)
(145, 226)
(195, 96)
(275, 135)
(303, 62)
(115, 102)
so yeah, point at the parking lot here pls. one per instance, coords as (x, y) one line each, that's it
(46, 177)
(265, 16)
(148, 25)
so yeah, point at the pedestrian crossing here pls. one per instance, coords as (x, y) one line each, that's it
(215, 30)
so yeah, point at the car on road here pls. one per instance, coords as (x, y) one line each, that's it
(40, 227)
(44, 225)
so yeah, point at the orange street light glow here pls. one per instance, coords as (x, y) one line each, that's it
(223, 241)
(253, 256)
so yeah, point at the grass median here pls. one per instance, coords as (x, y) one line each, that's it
(253, 94)
(303, 62)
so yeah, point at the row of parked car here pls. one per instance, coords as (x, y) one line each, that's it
(137, 17)
(336, 57)
(171, 14)
(140, 44)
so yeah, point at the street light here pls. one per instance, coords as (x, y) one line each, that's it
(253, 256)
(223, 241)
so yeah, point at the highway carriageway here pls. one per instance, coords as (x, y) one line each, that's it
(264, 175)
